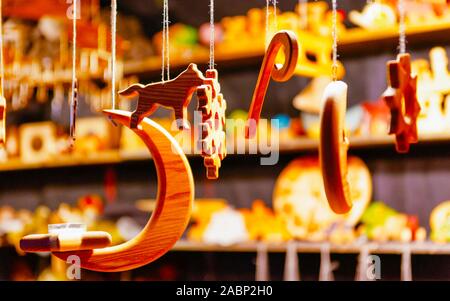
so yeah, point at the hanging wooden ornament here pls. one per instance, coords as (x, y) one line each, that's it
(401, 98)
(401, 94)
(333, 147)
(283, 40)
(168, 221)
(333, 141)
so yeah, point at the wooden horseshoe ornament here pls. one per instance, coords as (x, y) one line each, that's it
(401, 98)
(333, 147)
(168, 221)
(282, 41)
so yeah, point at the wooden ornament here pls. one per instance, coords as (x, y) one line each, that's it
(333, 147)
(37, 141)
(314, 59)
(60, 243)
(282, 41)
(175, 94)
(173, 207)
(212, 105)
(401, 98)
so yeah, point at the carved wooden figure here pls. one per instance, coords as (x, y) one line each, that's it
(173, 206)
(401, 98)
(175, 94)
(333, 147)
(212, 105)
(283, 40)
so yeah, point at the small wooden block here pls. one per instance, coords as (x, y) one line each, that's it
(65, 243)
(401, 98)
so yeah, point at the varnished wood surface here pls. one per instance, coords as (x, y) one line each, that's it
(285, 41)
(175, 94)
(333, 147)
(173, 207)
(401, 98)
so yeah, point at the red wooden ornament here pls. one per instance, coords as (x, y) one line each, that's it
(401, 99)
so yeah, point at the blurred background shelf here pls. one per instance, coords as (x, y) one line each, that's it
(355, 41)
(288, 146)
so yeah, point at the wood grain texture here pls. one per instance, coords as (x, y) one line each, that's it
(173, 207)
(175, 94)
(333, 147)
(401, 98)
(285, 41)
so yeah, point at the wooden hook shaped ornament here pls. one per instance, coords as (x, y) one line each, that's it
(333, 147)
(282, 41)
(170, 217)
(401, 98)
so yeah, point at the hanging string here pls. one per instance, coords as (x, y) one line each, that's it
(113, 51)
(303, 13)
(165, 70)
(334, 67)
(274, 24)
(74, 101)
(402, 27)
(211, 35)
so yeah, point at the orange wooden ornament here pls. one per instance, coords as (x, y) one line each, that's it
(175, 94)
(333, 147)
(401, 98)
(170, 216)
(282, 41)
(212, 105)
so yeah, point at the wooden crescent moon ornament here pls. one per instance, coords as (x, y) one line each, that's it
(173, 207)
(283, 40)
(333, 147)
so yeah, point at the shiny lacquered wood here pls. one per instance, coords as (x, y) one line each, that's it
(333, 147)
(285, 41)
(173, 207)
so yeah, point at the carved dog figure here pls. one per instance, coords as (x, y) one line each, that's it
(175, 94)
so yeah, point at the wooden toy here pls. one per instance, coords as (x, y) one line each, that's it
(299, 198)
(37, 141)
(57, 243)
(333, 147)
(282, 41)
(402, 101)
(440, 223)
(181, 90)
(212, 106)
(308, 100)
(315, 56)
(171, 215)
(374, 16)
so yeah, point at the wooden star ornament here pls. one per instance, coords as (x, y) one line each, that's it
(401, 98)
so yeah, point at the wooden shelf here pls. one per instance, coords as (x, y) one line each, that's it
(355, 41)
(296, 145)
(419, 248)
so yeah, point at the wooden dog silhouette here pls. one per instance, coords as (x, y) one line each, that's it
(175, 94)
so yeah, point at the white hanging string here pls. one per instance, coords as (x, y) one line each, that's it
(334, 67)
(270, 27)
(402, 27)
(275, 23)
(165, 70)
(303, 13)
(74, 100)
(211, 35)
(113, 51)
(267, 22)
